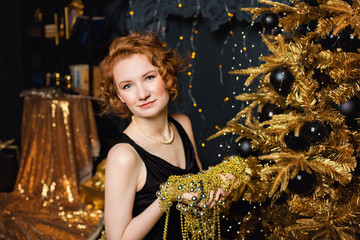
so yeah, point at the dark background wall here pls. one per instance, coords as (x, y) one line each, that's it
(11, 70)
(212, 87)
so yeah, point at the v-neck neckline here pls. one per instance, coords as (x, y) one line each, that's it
(159, 158)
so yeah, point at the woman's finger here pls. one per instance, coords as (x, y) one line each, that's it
(219, 193)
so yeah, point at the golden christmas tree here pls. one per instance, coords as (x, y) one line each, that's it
(302, 145)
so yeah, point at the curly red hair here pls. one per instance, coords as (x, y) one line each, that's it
(169, 62)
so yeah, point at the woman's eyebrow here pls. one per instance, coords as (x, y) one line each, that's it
(148, 72)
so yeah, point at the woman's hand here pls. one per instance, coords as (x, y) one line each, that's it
(223, 192)
(214, 197)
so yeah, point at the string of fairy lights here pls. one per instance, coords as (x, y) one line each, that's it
(240, 56)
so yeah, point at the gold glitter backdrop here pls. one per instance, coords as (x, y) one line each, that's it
(59, 138)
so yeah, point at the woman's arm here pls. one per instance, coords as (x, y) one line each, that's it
(123, 169)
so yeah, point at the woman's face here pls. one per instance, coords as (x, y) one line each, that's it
(140, 86)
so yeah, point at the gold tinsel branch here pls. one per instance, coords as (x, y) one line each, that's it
(288, 165)
(330, 168)
(343, 92)
(348, 212)
(308, 207)
(280, 124)
(280, 57)
(344, 15)
(278, 8)
(324, 214)
(254, 191)
(304, 92)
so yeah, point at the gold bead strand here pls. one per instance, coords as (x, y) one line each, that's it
(166, 225)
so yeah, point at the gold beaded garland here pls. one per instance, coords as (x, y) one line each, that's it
(201, 222)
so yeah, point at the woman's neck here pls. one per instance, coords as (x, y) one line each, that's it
(155, 128)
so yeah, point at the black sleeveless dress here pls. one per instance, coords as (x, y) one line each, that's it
(158, 170)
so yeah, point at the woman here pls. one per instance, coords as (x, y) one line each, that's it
(139, 80)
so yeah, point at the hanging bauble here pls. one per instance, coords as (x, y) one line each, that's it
(322, 78)
(268, 111)
(312, 3)
(306, 28)
(314, 132)
(330, 42)
(297, 143)
(350, 108)
(270, 20)
(244, 147)
(281, 78)
(303, 183)
(347, 41)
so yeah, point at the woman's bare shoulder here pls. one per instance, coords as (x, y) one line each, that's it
(183, 119)
(122, 155)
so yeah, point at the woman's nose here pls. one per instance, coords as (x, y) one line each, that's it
(143, 92)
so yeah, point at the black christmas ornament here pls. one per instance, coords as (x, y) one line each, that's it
(297, 143)
(270, 20)
(350, 108)
(348, 42)
(314, 132)
(322, 78)
(310, 27)
(268, 111)
(330, 42)
(281, 79)
(303, 183)
(244, 147)
(312, 3)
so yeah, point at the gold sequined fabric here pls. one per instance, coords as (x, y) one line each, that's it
(59, 138)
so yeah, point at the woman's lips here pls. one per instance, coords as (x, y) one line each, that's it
(146, 105)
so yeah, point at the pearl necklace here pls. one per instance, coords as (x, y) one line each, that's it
(152, 137)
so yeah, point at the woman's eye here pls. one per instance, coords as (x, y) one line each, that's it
(149, 77)
(126, 86)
